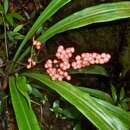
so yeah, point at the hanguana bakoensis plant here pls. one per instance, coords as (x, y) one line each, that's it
(101, 113)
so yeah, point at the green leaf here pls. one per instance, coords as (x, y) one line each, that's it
(15, 36)
(122, 93)
(71, 113)
(114, 93)
(97, 93)
(9, 19)
(50, 10)
(37, 93)
(116, 111)
(17, 16)
(95, 14)
(18, 28)
(6, 5)
(25, 116)
(77, 127)
(97, 114)
(23, 88)
(93, 69)
(126, 100)
(1, 8)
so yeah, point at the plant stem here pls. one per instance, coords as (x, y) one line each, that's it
(21, 57)
(5, 38)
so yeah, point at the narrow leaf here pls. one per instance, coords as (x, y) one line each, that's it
(93, 69)
(122, 93)
(98, 115)
(117, 111)
(25, 116)
(6, 5)
(97, 93)
(50, 10)
(23, 88)
(114, 93)
(18, 28)
(95, 14)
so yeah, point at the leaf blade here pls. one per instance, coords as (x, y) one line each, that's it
(99, 116)
(100, 13)
(93, 69)
(25, 117)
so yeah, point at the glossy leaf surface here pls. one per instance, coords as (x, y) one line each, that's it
(101, 117)
(25, 116)
(99, 13)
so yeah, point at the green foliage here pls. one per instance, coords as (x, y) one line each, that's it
(98, 94)
(114, 93)
(6, 4)
(120, 98)
(25, 116)
(93, 69)
(23, 88)
(18, 28)
(125, 59)
(51, 9)
(95, 14)
(101, 115)
(77, 127)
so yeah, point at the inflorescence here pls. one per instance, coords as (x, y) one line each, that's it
(57, 68)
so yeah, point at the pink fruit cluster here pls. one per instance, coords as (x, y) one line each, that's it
(86, 59)
(37, 44)
(31, 63)
(57, 68)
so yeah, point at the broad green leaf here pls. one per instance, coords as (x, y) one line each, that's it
(95, 14)
(6, 5)
(25, 116)
(18, 28)
(23, 88)
(97, 93)
(50, 10)
(98, 115)
(117, 111)
(93, 69)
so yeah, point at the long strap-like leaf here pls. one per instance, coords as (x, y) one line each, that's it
(25, 116)
(98, 115)
(95, 14)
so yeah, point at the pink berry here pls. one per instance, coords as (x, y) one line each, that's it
(68, 78)
(30, 60)
(28, 66)
(33, 63)
(38, 47)
(77, 57)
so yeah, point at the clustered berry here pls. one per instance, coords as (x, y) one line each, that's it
(37, 44)
(57, 68)
(86, 59)
(31, 63)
